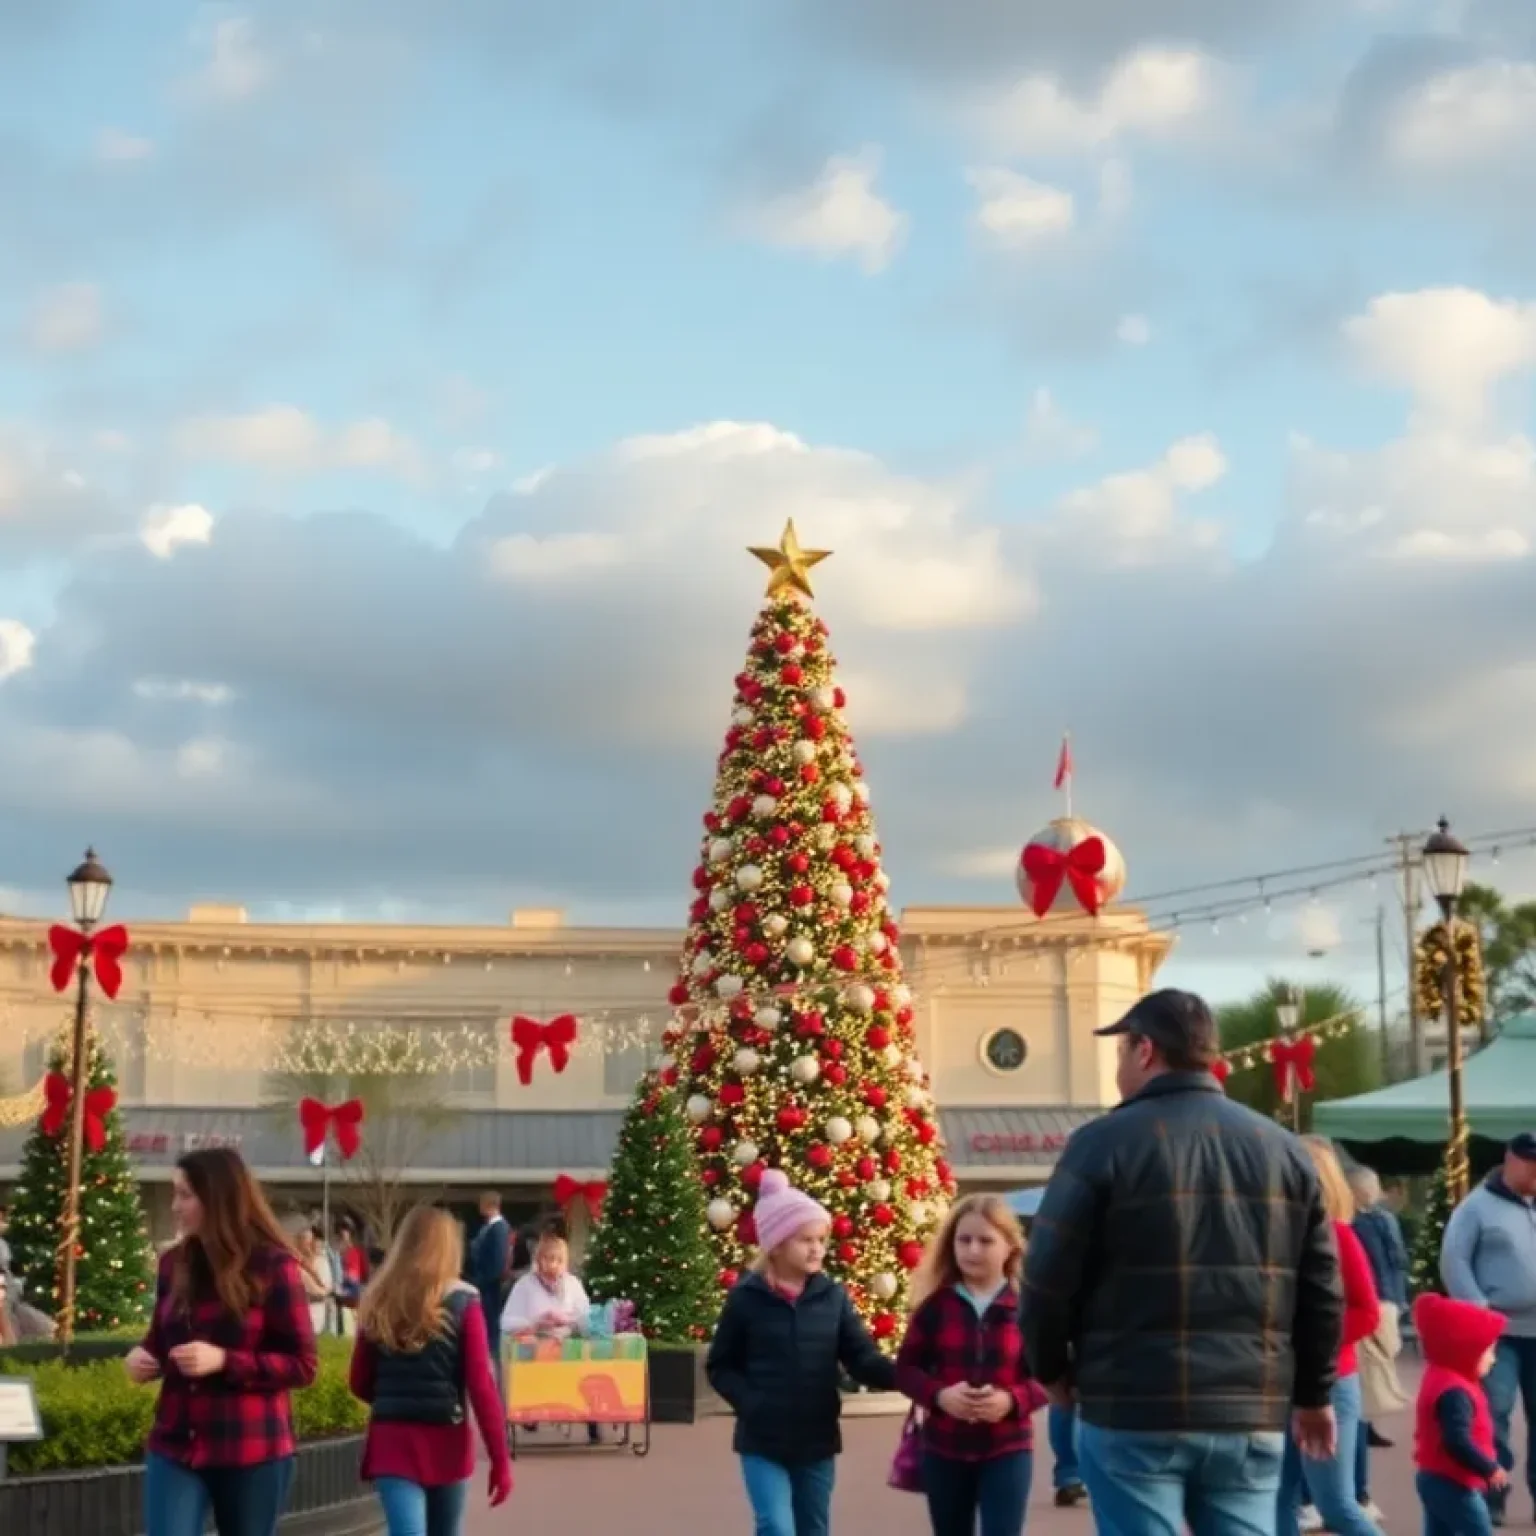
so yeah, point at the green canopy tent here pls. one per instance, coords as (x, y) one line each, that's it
(1403, 1129)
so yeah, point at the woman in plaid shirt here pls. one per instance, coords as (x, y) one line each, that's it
(229, 1339)
(962, 1362)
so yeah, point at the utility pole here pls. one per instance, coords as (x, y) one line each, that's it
(1408, 869)
(1381, 991)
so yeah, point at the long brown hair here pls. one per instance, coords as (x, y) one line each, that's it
(939, 1268)
(402, 1309)
(237, 1221)
(1337, 1199)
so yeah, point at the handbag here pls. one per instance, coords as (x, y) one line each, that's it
(906, 1475)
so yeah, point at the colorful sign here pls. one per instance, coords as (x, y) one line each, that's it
(576, 1381)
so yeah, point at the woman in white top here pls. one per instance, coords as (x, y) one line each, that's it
(549, 1301)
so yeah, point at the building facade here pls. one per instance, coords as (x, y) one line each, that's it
(222, 1024)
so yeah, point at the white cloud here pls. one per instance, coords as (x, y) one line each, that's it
(18, 645)
(1472, 115)
(285, 440)
(1015, 212)
(1133, 330)
(236, 67)
(1450, 347)
(1151, 92)
(200, 758)
(840, 214)
(1050, 434)
(183, 690)
(116, 146)
(524, 557)
(1116, 189)
(66, 318)
(476, 461)
(164, 530)
(1317, 928)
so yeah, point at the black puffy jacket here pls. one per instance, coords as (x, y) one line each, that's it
(1182, 1271)
(426, 1386)
(776, 1363)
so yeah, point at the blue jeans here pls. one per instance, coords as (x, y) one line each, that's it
(1363, 1463)
(1513, 1377)
(1145, 1483)
(789, 1501)
(411, 1510)
(1331, 1483)
(1450, 1509)
(960, 1493)
(244, 1501)
(1061, 1426)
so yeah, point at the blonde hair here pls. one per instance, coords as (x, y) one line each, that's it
(762, 1261)
(402, 1308)
(550, 1241)
(939, 1267)
(1337, 1199)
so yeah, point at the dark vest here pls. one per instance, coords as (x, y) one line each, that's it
(426, 1387)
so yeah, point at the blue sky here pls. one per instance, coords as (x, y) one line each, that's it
(1157, 370)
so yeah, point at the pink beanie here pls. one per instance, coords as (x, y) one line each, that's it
(782, 1210)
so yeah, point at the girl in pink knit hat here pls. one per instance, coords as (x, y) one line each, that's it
(784, 1336)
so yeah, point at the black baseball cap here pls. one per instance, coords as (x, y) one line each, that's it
(1179, 1023)
(1523, 1146)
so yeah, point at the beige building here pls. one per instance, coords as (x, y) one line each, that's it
(219, 1018)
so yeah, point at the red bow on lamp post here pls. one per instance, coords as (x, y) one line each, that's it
(568, 1191)
(1221, 1070)
(1046, 868)
(530, 1036)
(344, 1120)
(105, 950)
(99, 1103)
(1292, 1061)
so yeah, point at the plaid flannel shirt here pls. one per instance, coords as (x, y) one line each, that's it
(948, 1344)
(240, 1416)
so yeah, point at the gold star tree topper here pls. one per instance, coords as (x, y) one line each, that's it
(789, 565)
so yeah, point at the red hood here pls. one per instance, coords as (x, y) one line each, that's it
(1455, 1334)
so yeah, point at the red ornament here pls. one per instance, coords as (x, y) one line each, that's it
(847, 1253)
(867, 1168)
(842, 1226)
(728, 1278)
(711, 1176)
(790, 1118)
(874, 1095)
(784, 643)
(892, 1161)
(910, 1254)
(882, 1215)
(877, 1036)
(819, 1155)
(801, 896)
(883, 1325)
(711, 1137)
(752, 1174)
(746, 1229)
(732, 1094)
(845, 957)
(677, 994)
(810, 773)
(791, 675)
(798, 863)
(835, 1073)
(756, 955)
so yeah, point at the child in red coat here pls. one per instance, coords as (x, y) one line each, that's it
(1453, 1433)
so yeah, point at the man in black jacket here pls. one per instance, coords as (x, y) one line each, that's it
(1182, 1286)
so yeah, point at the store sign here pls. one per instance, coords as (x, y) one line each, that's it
(984, 1142)
(165, 1144)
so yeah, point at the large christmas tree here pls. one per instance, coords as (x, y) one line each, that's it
(793, 1040)
(652, 1245)
(114, 1264)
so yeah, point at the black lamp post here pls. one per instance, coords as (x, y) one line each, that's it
(89, 887)
(1445, 871)
(1288, 1012)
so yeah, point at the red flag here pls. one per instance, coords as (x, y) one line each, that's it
(1064, 763)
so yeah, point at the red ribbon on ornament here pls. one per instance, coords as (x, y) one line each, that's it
(1221, 1070)
(106, 949)
(1047, 867)
(530, 1036)
(568, 1191)
(1292, 1061)
(99, 1103)
(345, 1120)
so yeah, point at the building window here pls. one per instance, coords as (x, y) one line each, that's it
(1004, 1050)
(629, 1052)
(475, 1082)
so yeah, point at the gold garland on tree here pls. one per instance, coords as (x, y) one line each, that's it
(1434, 953)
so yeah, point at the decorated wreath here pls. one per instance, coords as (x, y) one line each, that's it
(1434, 952)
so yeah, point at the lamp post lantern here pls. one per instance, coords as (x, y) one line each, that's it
(89, 886)
(1445, 872)
(1288, 1012)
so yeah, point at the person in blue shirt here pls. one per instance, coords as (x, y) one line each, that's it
(488, 1268)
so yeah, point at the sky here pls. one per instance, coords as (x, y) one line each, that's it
(388, 394)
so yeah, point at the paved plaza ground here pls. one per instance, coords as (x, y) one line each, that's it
(689, 1484)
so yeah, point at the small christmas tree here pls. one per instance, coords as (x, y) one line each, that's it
(114, 1264)
(1424, 1262)
(652, 1245)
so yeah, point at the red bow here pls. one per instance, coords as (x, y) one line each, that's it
(99, 1103)
(1047, 867)
(569, 1190)
(1221, 1070)
(529, 1037)
(345, 1120)
(1292, 1060)
(70, 947)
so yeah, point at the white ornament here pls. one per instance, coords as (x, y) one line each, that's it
(800, 950)
(805, 1070)
(842, 796)
(864, 845)
(878, 943)
(698, 1108)
(826, 835)
(838, 1130)
(721, 1213)
(915, 1070)
(742, 716)
(728, 986)
(861, 792)
(878, 1189)
(868, 1128)
(767, 1018)
(749, 877)
(746, 1061)
(745, 1154)
(775, 924)
(764, 806)
(805, 751)
(915, 1097)
(823, 699)
(841, 894)
(901, 993)
(918, 1213)
(718, 900)
(703, 962)
(666, 1063)
(861, 998)
(720, 850)
(892, 1054)
(882, 880)
(883, 1285)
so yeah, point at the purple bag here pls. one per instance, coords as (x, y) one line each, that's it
(906, 1474)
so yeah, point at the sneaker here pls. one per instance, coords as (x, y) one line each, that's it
(1378, 1441)
(1308, 1518)
(1372, 1511)
(1071, 1496)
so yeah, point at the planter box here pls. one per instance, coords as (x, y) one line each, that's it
(680, 1391)
(327, 1498)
